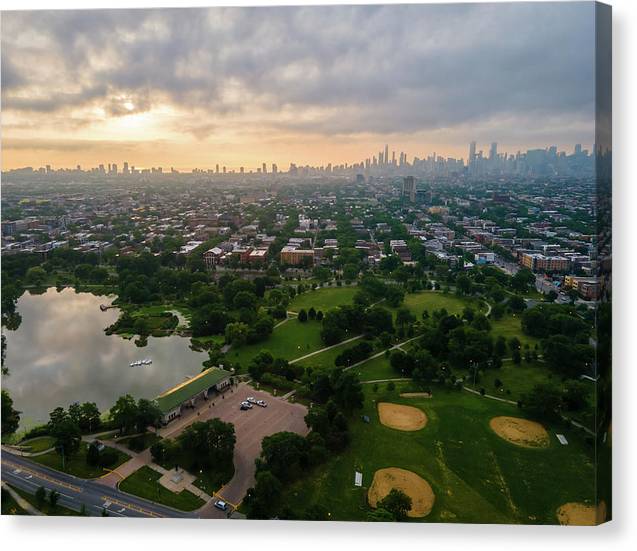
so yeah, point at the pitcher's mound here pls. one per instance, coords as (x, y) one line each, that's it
(521, 432)
(400, 417)
(417, 488)
(581, 514)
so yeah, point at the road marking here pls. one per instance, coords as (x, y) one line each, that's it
(132, 507)
(43, 476)
(106, 504)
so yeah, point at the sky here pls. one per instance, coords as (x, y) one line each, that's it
(311, 85)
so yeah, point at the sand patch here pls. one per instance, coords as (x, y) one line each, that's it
(581, 514)
(521, 432)
(415, 395)
(399, 417)
(417, 488)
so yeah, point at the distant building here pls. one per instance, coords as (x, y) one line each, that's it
(295, 256)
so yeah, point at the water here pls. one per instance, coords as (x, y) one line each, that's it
(60, 354)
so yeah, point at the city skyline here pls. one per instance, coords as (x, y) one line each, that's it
(385, 158)
(82, 87)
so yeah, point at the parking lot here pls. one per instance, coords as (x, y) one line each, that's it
(250, 426)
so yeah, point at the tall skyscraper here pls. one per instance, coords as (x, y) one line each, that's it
(386, 157)
(264, 169)
(493, 152)
(409, 188)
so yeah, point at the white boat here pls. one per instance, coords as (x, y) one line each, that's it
(147, 361)
(135, 363)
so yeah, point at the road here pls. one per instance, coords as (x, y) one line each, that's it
(27, 475)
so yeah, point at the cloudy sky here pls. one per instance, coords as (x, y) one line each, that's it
(194, 87)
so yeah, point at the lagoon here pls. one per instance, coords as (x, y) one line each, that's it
(60, 354)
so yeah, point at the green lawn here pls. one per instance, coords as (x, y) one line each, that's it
(511, 326)
(325, 360)
(435, 300)
(376, 369)
(39, 444)
(323, 299)
(517, 379)
(290, 340)
(76, 464)
(144, 483)
(477, 477)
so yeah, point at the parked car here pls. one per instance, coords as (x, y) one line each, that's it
(247, 405)
(251, 399)
(262, 403)
(221, 505)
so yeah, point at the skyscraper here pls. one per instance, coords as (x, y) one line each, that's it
(493, 152)
(386, 157)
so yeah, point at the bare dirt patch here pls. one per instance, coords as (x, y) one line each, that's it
(415, 395)
(396, 416)
(581, 514)
(521, 432)
(417, 488)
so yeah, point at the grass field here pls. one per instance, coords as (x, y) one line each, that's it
(516, 379)
(511, 326)
(476, 476)
(376, 369)
(144, 483)
(76, 464)
(323, 299)
(325, 360)
(435, 300)
(290, 340)
(39, 444)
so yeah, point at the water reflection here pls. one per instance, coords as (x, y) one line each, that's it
(60, 354)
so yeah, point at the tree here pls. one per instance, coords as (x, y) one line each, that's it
(40, 496)
(284, 454)
(576, 395)
(36, 276)
(148, 414)
(404, 317)
(124, 413)
(397, 503)
(348, 391)
(516, 304)
(209, 444)
(237, 333)
(544, 402)
(262, 500)
(10, 416)
(89, 419)
(302, 315)
(67, 434)
(311, 313)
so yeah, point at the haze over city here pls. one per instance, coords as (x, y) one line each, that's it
(187, 89)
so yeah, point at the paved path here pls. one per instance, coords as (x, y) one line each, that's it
(382, 352)
(352, 339)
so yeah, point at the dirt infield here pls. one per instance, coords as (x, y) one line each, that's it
(399, 417)
(521, 432)
(417, 488)
(415, 395)
(581, 514)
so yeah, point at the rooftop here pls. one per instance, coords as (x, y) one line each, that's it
(178, 394)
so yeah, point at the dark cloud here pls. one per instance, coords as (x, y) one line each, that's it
(363, 69)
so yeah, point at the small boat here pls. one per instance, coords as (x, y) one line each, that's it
(147, 361)
(136, 363)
